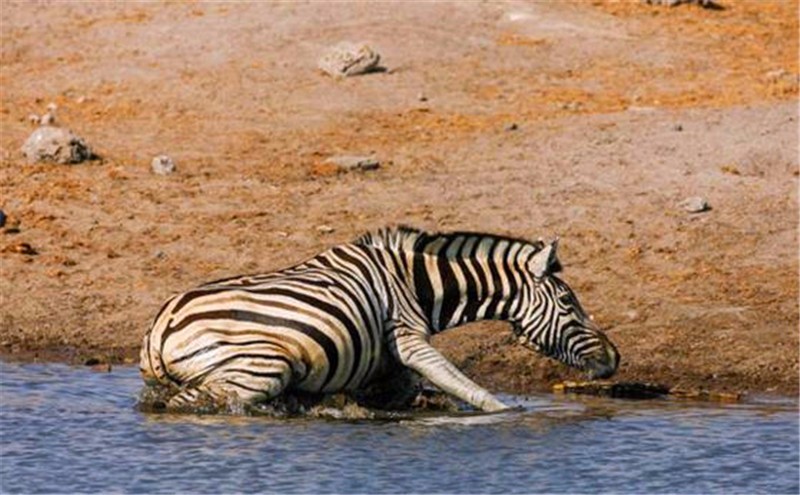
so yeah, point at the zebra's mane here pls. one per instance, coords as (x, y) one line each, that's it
(407, 238)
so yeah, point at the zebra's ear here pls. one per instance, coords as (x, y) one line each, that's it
(545, 261)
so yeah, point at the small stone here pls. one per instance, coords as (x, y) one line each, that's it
(422, 97)
(55, 145)
(349, 59)
(162, 165)
(52, 107)
(694, 204)
(511, 127)
(92, 361)
(325, 229)
(21, 248)
(34, 119)
(2, 219)
(677, 127)
(347, 163)
(706, 4)
(775, 75)
(48, 119)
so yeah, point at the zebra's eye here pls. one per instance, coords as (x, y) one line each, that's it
(566, 299)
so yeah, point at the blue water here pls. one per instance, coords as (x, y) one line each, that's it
(69, 430)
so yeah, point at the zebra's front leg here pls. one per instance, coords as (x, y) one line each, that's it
(414, 351)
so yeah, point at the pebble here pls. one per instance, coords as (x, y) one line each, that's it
(55, 145)
(348, 163)
(21, 248)
(422, 97)
(2, 219)
(48, 119)
(325, 229)
(349, 59)
(775, 75)
(511, 127)
(706, 4)
(162, 165)
(694, 204)
(677, 127)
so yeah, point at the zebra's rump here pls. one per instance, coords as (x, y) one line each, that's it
(325, 331)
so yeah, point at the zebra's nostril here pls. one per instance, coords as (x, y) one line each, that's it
(604, 363)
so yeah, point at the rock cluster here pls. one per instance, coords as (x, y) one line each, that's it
(50, 144)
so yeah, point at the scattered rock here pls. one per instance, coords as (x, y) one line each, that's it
(325, 229)
(92, 361)
(694, 204)
(162, 165)
(775, 75)
(782, 78)
(348, 163)
(34, 119)
(21, 248)
(422, 97)
(349, 59)
(2, 219)
(706, 4)
(677, 127)
(572, 106)
(511, 127)
(55, 145)
(48, 118)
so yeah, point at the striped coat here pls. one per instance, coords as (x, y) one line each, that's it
(362, 312)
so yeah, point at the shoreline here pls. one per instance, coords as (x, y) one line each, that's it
(544, 374)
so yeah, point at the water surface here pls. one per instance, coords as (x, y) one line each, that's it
(69, 430)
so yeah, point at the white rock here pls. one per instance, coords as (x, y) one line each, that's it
(55, 145)
(349, 59)
(694, 204)
(162, 165)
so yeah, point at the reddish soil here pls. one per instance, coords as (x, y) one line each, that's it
(622, 110)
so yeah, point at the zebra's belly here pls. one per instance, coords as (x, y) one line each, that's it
(350, 376)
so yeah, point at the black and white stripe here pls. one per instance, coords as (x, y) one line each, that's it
(361, 311)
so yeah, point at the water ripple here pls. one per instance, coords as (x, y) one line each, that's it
(73, 430)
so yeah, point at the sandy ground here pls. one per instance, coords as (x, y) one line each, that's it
(622, 110)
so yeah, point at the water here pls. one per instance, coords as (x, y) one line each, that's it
(72, 430)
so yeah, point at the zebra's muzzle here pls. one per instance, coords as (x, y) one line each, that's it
(604, 362)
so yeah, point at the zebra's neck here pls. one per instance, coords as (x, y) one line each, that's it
(461, 277)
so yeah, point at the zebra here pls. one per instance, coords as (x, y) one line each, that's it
(361, 313)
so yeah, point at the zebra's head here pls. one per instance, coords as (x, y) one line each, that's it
(554, 324)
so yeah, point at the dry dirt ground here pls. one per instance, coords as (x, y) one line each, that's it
(622, 110)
